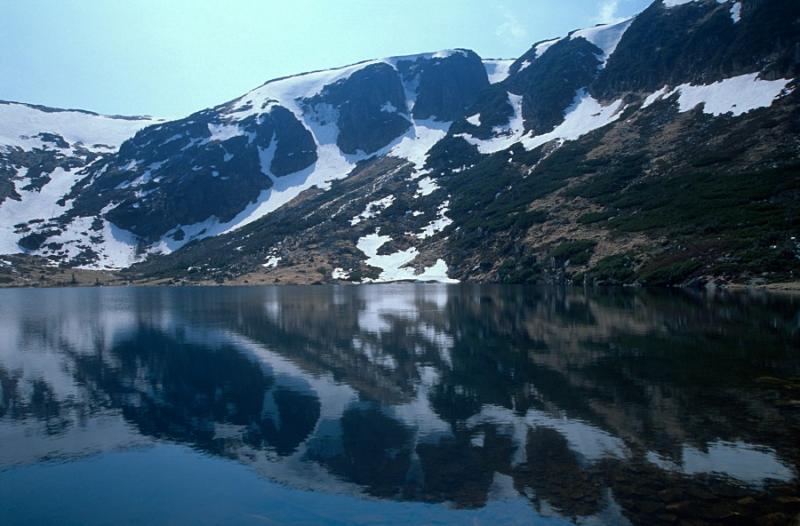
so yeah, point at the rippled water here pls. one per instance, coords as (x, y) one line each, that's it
(398, 404)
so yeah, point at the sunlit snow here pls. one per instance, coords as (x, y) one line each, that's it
(735, 95)
(393, 266)
(19, 124)
(504, 136)
(437, 225)
(583, 116)
(605, 37)
(272, 262)
(373, 209)
(542, 47)
(475, 120)
(497, 69)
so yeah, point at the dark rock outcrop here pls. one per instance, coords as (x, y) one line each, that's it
(371, 108)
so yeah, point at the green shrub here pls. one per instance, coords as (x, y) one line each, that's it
(656, 273)
(613, 269)
(595, 217)
(577, 252)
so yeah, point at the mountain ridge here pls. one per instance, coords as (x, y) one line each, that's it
(417, 131)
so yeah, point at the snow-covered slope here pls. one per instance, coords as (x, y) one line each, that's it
(292, 93)
(498, 69)
(736, 95)
(22, 124)
(43, 153)
(233, 164)
(604, 37)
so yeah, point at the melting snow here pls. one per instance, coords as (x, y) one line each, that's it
(223, 132)
(445, 53)
(288, 91)
(475, 120)
(426, 186)
(655, 96)
(33, 205)
(415, 144)
(585, 115)
(438, 224)
(542, 47)
(272, 262)
(505, 136)
(393, 266)
(372, 209)
(736, 12)
(605, 37)
(340, 274)
(331, 164)
(116, 250)
(19, 124)
(497, 70)
(673, 3)
(735, 95)
(539, 50)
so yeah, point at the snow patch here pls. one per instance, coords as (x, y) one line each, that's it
(584, 115)
(735, 95)
(650, 99)
(415, 144)
(736, 12)
(271, 262)
(505, 136)
(497, 70)
(542, 47)
(606, 37)
(673, 3)
(426, 186)
(373, 209)
(438, 224)
(394, 266)
(388, 107)
(223, 132)
(116, 250)
(446, 53)
(289, 91)
(475, 120)
(340, 274)
(20, 123)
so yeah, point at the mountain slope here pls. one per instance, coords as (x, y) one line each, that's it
(225, 167)
(43, 152)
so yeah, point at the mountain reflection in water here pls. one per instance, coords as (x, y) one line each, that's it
(605, 407)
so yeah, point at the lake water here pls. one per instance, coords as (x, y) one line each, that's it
(398, 404)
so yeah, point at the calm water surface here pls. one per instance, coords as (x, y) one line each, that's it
(398, 404)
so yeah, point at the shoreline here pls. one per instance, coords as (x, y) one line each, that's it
(94, 281)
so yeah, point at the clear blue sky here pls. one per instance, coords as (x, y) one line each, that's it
(171, 57)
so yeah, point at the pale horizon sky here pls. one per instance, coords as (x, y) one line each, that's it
(172, 58)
